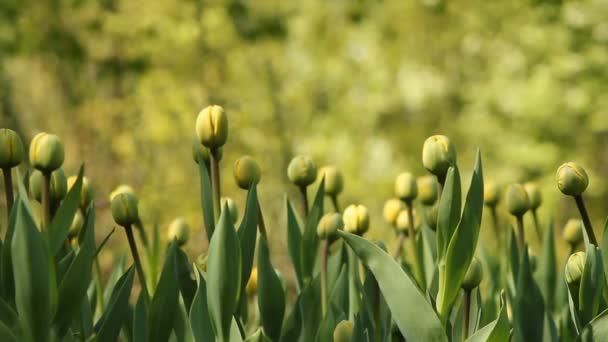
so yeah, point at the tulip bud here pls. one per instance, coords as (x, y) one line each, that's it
(252, 283)
(212, 127)
(246, 172)
(86, 191)
(46, 152)
(405, 187)
(438, 154)
(491, 194)
(328, 225)
(391, 210)
(343, 331)
(58, 184)
(517, 200)
(356, 219)
(178, 231)
(403, 221)
(473, 277)
(427, 190)
(431, 215)
(11, 149)
(571, 179)
(575, 267)
(573, 232)
(124, 209)
(233, 210)
(534, 195)
(302, 171)
(121, 189)
(333, 180)
(76, 226)
(202, 262)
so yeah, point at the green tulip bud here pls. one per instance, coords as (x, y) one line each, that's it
(491, 194)
(405, 187)
(534, 195)
(302, 171)
(252, 283)
(11, 149)
(438, 154)
(86, 191)
(403, 221)
(356, 219)
(333, 180)
(59, 186)
(474, 275)
(572, 179)
(573, 232)
(428, 190)
(46, 152)
(246, 172)
(431, 215)
(391, 210)
(178, 231)
(233, 210)
(328, 225)
(517, 200)
(124, 209)
(575, 267)
(343, 331)
(121, 189)
(212, 127)
(76, 226)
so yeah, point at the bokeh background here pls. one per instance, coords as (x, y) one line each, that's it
(355, 83)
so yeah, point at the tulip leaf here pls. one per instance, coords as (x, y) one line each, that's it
(258, 336)
(248, 234)
(448, 211)
(200, 321)
(596, 330)
(497, 330)
(140, 322)
(108, 326)
(206, 198)
(271, 296)
(293, 324)
(400, 292)
(187, 285)
(547, 273)
(60, 225)
(310, 240)
(529, 308)
(163, 306)
(224, 276)
(6, 266)
(591, 285)
(294, 240)
(6, 334)
(604, 247)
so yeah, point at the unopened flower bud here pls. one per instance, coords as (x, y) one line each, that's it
(573, 232)
(517, 200)
(46, 152)
(77, 223)
(431, 214)
(343, 331)
(333, 180)
(233, 210)
(302, 171)
(328, 225)
(403, 221)
(571, 179)
(246, 172)
(474, 275)
(391, 210)
(438, 154)
(86, 191)
(252, 283)
(212, 127)
(202, 262)
(124, 209)
(121, 189)
(356, 219)
(405, 187)
(534, 195)
(427, 189)
(11, 149)
(58, 184)
(575, 267)
(178, 231)
(491, 194)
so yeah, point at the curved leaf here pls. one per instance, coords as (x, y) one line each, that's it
(271, 296)
(206, 200)
(199, 315)
(163, 306)
(60, 225)
(108, 326)
(497, 330)
(248, 234)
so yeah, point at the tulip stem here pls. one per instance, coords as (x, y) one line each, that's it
(46, 200)
(304, 200)
(586, 221)
(215, 181)
(399, 246)
(261, 223)
(334, 201)
(521, 241)
(467, 314)
(496, 225)
(412, 237)
(137, 262)
(324, 255)
(142, 233)
(537, 226)
(353, 298)
(8, 190)
(99, 286)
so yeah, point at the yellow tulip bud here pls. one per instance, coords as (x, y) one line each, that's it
(438, 154)
(431, 214)
(246, 172)
(46, 152)
(233, 210)
(403, 221)
(405, 187)
(391, 210)
(573, 232)
(333, 180)
(121, 189)
(212, 127)
(534, 195)
(178, 231)
(124, 209)
(86, 191)
(356, 219)
(428, 190)
(572, 179)
(474, 275)
(343, 331)
(302, 171)
(517, 200)
(575, 268)
(11, 149)
(76, 226)
(252, 283)
(491, 194)
(329, 225)
(58, 184)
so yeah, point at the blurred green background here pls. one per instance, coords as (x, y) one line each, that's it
(359, 84)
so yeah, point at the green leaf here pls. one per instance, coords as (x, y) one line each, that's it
(187, 285)
(6, 334)
(206, 199)
(60, 225)
(163, 306)
(294, 242)
(199, 314)
(604, 247)
(108, 326)
(448, 211)
(596, 330)
(546, 271)
(248, 234)
(140, 324)
(258, 336)
(310, 240)
(7, 314)
(271, 296)
(497, 330)
(591, 286)
(400, 292)
(224, 276)
(529, 309)
(35, 279)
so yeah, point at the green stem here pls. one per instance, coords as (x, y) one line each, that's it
(304, 201)
(215, 181)
(412, 238)
(334, 201)
(137, 261)
(467, 314)
(46, 200)
(537, 226)
(497, 233)
(353, 297)
(586, 221)
(521, 241)
(142, 233)
(399, 246)
(99, 286)
(8, 191)
(324, 255)
(261, 223)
